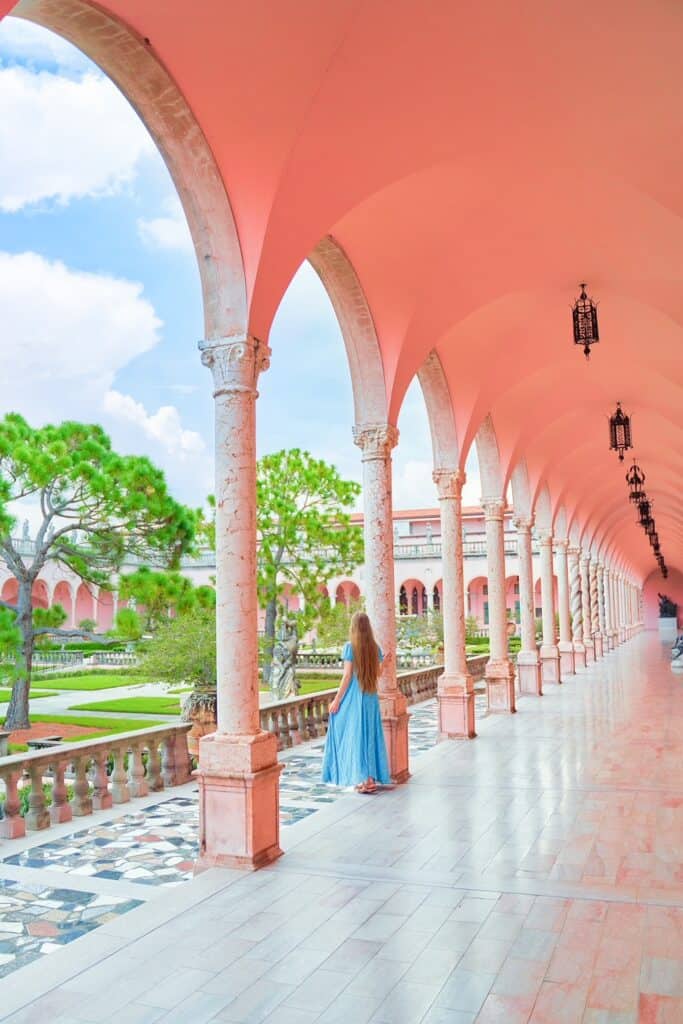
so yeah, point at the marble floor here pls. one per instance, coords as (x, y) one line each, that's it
(535, 874)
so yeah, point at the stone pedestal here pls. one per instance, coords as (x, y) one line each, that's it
(500, 686)
(529, 674)
(566, 652)
(239, 802)
(393, 709)
(599, 649)
(550, 664)
(579, 656)
(455, 696)
(668, 627)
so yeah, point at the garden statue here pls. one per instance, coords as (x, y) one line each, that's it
(668, 609)
(283, 680)
(25, 530)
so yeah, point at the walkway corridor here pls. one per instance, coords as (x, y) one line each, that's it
(535, 874)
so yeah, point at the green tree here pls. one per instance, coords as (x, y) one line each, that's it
(184, 650)
(128, 624)
(332, 628)
(96, 507)
(53, 617)
(157, 592)
(305, 534)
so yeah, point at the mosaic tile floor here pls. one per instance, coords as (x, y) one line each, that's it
(35, 920)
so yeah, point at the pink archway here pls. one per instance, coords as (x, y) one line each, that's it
(85, 604)
(512, 597)
(413, 597)
(40, 596)
(346, 592)
(290, 600)
(105, 610)
(477, 600)
(64, 595)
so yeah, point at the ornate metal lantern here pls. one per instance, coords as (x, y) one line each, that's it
(644, 512)
(620, 432)
(585, 317)
(635, 478)
(649, 527)
(654, 542)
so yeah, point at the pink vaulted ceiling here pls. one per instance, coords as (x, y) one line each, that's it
(475, 161)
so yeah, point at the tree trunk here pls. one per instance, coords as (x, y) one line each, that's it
(17, 712)
(269, 630)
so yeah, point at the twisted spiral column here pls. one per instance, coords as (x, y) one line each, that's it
(586, 609)
(595, 608)
(575, 605)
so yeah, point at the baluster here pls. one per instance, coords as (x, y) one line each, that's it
(137, 784)
(101, 797)
(37, 817)
(168, 765)
(275, 727)
(302, 725)
(119, 779)
(81, 802)
(324, 714)
(61, 808)
(284, 728)
(154, 779)
(12, 825)
(181, 757)
(310, 715)
(293, 724)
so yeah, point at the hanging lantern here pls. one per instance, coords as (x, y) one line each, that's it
(665, 571)
(635, 478)
(650, 528)
(620, 432)
(585, 317)
(644, 510)
(654, 541)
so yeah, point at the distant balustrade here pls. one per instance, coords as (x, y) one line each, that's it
(141, 762)
(71, 658)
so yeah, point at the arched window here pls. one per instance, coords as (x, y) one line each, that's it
(424, 601)
(413, 601)
(437, 599)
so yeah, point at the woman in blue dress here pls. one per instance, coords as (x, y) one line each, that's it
(355, 752)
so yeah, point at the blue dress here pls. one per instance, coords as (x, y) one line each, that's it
(355, 748)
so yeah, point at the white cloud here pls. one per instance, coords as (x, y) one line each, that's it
(23, 41)
(64, 138)
(163, 427)
(169, 231)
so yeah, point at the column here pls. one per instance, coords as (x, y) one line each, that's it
(239, 819)
(499, 675)
(565, 646)
(609, 640)
(576, 609)
(586, 610)
(602, 609)
(620, 606)
(528, 663)
(614, 608)
(550, 658)
(455, 692)
(595, 607)
(376, 442)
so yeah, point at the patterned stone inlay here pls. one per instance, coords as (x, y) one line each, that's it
(36, 920)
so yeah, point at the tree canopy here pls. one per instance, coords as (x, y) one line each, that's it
(96, 508)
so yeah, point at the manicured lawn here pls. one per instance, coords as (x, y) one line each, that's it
(103, 725)
(6, 694)
(103, 681)
(134, 705)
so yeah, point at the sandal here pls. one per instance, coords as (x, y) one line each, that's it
(366, 788)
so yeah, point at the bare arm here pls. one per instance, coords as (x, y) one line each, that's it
(343, 687)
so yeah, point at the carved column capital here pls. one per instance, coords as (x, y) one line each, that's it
(494, 508)
(235, 363)
(523, 524)
(449, 483)
(375, 439)
(545, 538)
(561, 544)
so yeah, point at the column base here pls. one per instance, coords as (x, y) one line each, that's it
(597, 641)
(239, 801)
(550, 664)
(590, 651)
(529, 674)
(12, 828)
(500, 686)
(566, 650)
(455, 698)
(579, 656)
(395, 722)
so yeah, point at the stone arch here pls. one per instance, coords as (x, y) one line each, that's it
(40, 595)
(477, 599)
(521, 489)
(437, 399)
(10, 591)
(85, 603)
(64, 595)
(488, 454)
(105, 610)
(346, 592)
(543, 509)
(335, 270)
(415, 592)
(130, 62)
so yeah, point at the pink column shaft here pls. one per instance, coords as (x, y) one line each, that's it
(565, 645)
(455, 687)
(528, 663)
(376, 442)
(500, 683)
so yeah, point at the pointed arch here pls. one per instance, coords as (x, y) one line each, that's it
(437, 399)
(488, 454)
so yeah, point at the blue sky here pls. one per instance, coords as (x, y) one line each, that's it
(101, 300)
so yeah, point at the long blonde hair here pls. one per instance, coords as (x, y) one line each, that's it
(365, 652)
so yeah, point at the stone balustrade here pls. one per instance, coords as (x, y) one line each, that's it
(69, 658)
(141, 762)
